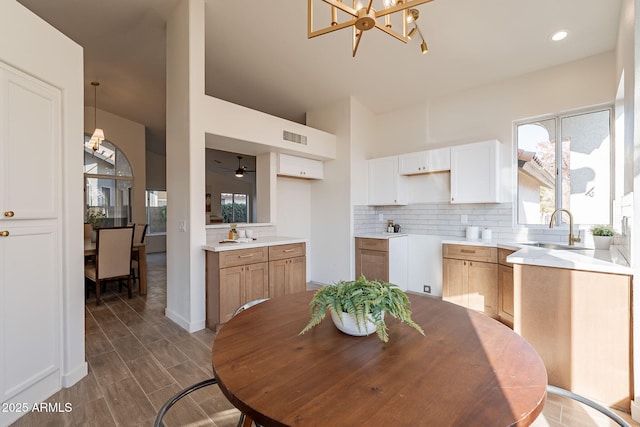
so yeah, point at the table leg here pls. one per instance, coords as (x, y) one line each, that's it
(142, 267)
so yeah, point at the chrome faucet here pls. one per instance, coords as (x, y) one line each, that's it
(572, 238)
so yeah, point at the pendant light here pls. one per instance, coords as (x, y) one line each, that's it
(98, 134)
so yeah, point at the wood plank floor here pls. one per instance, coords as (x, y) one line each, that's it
(138, 359)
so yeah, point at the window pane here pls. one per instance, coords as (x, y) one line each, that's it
(157, 211)
(234, 207)
(240, 207)
(586, 163)
(113, 196)
(102, 162)
(536, 171)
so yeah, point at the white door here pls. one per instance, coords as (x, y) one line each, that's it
(30, 264)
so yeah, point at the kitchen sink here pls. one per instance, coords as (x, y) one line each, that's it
(560, 246)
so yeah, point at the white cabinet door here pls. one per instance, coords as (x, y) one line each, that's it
(412, 163)
(30, 264)
(299, 167)
(386, 185)
(31, 308)
(439, 160)
(475, 172)
(436, 160)
(29, 153)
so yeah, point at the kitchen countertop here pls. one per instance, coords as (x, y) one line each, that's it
(380, 235)
(603, 261)
(216, 246)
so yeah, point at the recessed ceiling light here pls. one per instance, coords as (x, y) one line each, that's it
(560, 35)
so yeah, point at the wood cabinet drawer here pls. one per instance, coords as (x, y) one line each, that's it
(236, 257)
(372, 244)
(287, 251)
(469, 252)
(502, 257)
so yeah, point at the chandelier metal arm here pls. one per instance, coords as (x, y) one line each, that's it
(408, 4)
(330, 29)
(357, 36)
(343, 7)
(392, 33)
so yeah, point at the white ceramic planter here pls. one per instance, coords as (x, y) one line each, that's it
(349, 326)
(602, 242)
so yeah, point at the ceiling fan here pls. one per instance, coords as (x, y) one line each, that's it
(241, 169)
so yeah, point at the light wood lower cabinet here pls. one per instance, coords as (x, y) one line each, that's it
(238, 276)
(579, 322)
(287, 269)
(505, 288)
(384, 259)
(242, 284)
(372, 259)
(470, 277)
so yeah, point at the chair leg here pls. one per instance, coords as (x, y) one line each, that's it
(129, 286)
(98, 291)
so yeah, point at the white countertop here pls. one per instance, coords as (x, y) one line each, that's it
(216, 246)
(604, 261)
(380, 235)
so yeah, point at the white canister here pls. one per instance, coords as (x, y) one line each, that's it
(249, 234)
(242, 233)
(472, 232)
(486, 234)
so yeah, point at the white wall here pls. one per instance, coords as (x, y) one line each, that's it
(30, 44)
(129, 137)
(488, 112)
(331, 202)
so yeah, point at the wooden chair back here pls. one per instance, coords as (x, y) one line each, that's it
(113, 252)
(87, 231)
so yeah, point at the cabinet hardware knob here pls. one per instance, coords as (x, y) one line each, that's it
(4, 233)
(9, 214)
(245, 256)
(288, 250)
(467, 251)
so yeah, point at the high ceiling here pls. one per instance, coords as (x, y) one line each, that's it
(258, 54)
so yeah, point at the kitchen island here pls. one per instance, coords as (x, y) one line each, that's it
(574, 307)
(241, 271)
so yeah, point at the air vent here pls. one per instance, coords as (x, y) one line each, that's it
(294, 137)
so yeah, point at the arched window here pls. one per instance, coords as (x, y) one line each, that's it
(108, 183)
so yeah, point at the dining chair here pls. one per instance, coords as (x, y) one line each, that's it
(578, 398)
(244, 421)
(87, 230)
(139, 234)
(113, 258)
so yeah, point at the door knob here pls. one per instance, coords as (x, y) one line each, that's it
(9, 214)
(4, 233)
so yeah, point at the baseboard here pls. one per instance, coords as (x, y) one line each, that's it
(76, 375)
(184, 323)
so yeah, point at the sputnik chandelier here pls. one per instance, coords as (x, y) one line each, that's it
(363, 17)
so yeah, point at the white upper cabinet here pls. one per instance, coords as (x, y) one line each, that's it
(425, 161)
(386, 185)
(299, 167)
(475, 172)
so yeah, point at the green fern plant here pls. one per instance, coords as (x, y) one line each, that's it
(361, 298)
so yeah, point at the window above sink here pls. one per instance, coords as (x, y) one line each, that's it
(564, 161)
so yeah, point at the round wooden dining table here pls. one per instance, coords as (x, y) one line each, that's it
(468, 369)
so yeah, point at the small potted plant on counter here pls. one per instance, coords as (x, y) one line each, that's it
(358, 307)
(602, 236)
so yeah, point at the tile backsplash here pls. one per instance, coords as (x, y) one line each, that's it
(445, 219)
